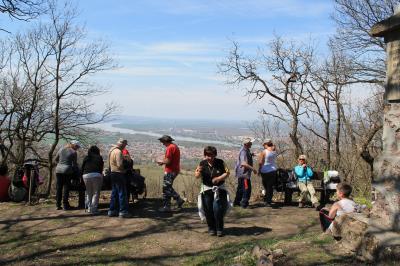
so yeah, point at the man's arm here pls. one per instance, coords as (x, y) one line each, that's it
(244, 164)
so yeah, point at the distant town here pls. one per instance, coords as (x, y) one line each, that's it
(146, 149)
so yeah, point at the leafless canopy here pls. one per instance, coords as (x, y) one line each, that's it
(22, 9)
(354, 19)
(278, 75)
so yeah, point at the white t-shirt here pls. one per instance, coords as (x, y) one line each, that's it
(346, 206)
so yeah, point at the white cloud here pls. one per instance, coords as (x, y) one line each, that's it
(208, 102)
(253, 8)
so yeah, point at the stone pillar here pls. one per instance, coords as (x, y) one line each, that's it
(387, 166)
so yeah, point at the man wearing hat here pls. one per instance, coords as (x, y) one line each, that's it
(303, 173)
(243, 169)
(171, 164)
(119, 196)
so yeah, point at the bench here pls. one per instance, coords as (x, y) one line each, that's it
(286, 183)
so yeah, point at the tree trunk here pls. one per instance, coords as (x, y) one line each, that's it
(295, 138)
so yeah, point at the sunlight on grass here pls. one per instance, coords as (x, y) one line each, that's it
(225, 253)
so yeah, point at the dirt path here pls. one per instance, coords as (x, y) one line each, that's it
(40, 235)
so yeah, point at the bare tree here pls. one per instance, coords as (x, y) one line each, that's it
(24, 99)
(22, 9)
(47, 88)
(354, 19)
(324, 101)
(280, 75)
(267, 127)
(74, 60)
(363, 127)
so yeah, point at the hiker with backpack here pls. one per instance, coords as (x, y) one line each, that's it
(67, 168)
(92, 168)
(119, 196)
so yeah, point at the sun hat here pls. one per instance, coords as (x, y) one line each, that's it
(76, 143)
(122, 141)
(247, 140)
(302, 157)
(166, 138)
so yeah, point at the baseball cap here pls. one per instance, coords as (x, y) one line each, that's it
(247, 140)
(302, 157)
(75, 142)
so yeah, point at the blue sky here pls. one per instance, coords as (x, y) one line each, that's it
(168, 50)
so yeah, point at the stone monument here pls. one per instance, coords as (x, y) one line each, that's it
(387, 167)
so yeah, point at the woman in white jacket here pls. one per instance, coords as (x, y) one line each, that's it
(213, 173)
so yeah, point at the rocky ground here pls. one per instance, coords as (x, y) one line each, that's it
(40, 235)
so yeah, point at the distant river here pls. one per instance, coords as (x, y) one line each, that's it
(109, 127)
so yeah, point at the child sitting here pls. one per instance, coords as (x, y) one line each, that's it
(344, 205)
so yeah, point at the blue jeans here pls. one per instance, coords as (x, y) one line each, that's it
(119, 194)
(243, 192)
(215, 209)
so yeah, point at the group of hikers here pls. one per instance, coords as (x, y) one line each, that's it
(214, 198)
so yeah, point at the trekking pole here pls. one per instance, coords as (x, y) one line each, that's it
(30, 187)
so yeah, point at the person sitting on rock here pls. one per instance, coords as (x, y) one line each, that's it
(344, 205)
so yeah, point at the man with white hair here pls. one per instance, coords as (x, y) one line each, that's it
(119, 196)
(243, 169)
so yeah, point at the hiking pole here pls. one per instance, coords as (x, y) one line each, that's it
(30, 187)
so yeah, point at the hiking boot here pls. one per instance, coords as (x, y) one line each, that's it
(59, 208)
(212, 232)
(268, 204)
(165, 209)
(67, 208)
(180, 202)
(112, 214)
(124, 215)
(220, 233)
(301, 205)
